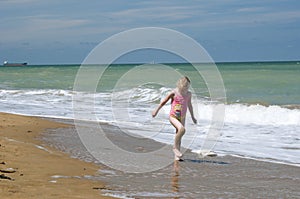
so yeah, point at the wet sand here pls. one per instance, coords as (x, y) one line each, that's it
(223, 177)
(210, 177)
(30, 169)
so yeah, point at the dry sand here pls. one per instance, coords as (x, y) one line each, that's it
(28, 169)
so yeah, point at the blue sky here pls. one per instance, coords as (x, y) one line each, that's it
(56, 31)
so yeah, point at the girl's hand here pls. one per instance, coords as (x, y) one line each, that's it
(194, 120)
(154, 113)
(170, 96)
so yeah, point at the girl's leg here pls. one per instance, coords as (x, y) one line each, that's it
(180, 130)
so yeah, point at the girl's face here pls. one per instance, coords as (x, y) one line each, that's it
(185, 87)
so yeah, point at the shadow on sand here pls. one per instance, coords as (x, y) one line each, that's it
(206, 161)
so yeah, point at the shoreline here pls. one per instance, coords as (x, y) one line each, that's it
(29, 169)
(70, 121)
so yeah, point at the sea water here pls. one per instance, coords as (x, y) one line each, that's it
(262, 104)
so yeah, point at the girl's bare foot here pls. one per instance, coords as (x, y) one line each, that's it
(177, 153)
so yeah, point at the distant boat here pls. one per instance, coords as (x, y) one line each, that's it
(6, 63)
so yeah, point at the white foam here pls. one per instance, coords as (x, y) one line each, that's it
(59, 103)
(261, 115)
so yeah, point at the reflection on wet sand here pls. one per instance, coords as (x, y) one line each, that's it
(175, 178)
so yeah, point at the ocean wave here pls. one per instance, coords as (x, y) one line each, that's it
(262, 115)
(137, 100)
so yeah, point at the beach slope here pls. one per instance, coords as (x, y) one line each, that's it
(28, 169)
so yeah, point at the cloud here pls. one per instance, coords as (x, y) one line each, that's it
(242, 17)
(163, 13)
(282, 16)
(79, 22)
(11, 5)
(39, 27)
(48, 23)
(8, 2)
(251, 9)
(202, 14)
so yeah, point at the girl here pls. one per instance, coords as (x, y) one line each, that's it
(180, 101)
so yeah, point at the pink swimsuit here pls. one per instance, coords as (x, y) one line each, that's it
(179, 106)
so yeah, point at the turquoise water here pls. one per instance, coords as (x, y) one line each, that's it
(38, 77)
(267, 83)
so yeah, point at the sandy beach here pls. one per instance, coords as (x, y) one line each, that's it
(31, 170)
(35, 163)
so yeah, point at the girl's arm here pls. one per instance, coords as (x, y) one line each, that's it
(170, 96)
(190, 106)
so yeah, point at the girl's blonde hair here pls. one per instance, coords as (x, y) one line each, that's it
(183, 83)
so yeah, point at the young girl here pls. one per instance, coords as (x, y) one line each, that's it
(180, 101)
